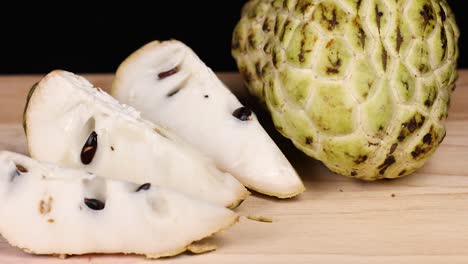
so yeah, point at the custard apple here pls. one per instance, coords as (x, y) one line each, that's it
(47, 209)
(362, 85)
(70, 122)
(172, 87)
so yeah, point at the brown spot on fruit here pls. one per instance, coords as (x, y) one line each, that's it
(416, 152)
(399, 39)
(443, 40)
(330, 43)
(335, 66)
(378, 16)
(309, 140)
(360, 159)
(168, 73)
(89, 149)
(402, 172)
(410, 126)
(442, 14)
(384, 58)
(353, 173)
(258, 69)
(45, 206)
(362, 37)
(427, 139)
(251, 40)
(427, 14)
(389, 161)
(393, 148)
(332, 22)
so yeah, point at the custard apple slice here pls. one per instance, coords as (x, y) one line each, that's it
(73, 124)
(363, 86)
(171, 86)
(46, 209)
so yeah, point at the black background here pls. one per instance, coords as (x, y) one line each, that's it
(81, 37)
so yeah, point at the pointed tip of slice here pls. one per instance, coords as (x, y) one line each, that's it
(283, 193)
(234, 219)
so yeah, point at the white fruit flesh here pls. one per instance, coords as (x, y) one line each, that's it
(63, 111)
(171, 86)
(42, 211)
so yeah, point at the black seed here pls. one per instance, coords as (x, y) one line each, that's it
(353, 173)
(94, 204)
(144, 187)
(393, 195)
(21, 168)
(309, 140)
(168, 73)
(206, 96)
(427, 139)
(112, 148)
(242, 113)
(402, 172)
(89, 149)
(393, 148)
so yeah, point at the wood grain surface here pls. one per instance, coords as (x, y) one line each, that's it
(422, 218)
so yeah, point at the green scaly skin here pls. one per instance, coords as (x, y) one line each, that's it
(363, 86)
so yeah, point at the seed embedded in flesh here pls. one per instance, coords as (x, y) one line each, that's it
(94, 204)
(168, 73)
(243, 113)
(144, 187)
(89, 149)
(21, 168)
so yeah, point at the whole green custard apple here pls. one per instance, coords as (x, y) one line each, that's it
(362, 85)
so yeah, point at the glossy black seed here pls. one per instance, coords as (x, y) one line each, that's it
(89, 149)
(144, 187)
(242, 113)
(94, 204)
(168, 73)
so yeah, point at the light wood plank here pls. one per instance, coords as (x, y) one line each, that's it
(338, 220)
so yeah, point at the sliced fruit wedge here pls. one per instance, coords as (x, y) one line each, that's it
(171, 86)
(73, 124)
(46, 209)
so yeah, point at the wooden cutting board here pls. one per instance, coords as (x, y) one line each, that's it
(422, 218)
